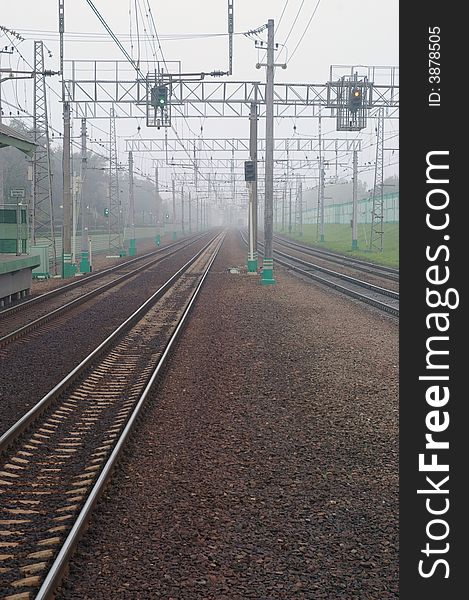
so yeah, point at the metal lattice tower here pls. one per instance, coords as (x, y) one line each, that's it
(115, 209)
(299, 207)
(376, 236)
(42, 213)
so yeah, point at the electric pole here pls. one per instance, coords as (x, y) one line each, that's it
(354, 201)
(68, 269)
(85, 263)
(377, 217)
(42, 213)
(268, 263)
(300, 208)
(190, 215)
(115, 208)
(252, 215)
(132, 241)
(182, 210)
(174, 208)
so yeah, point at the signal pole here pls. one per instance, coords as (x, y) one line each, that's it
(300, 207)
(377, 217)
(174, 208)
(182, 210)
(190, 216)
(132, 241)
(252, 216)
(354, 201)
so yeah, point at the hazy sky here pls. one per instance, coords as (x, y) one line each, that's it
(341, 32)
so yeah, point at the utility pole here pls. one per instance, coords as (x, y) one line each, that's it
(190, 213)
(85, 263)
(159, 207)
(182, 210)
(268, 263)
(377, 217)
(252, 214)
(355, 201)
(289, 211)
(132, 241)
(42, 213)
(174, 208)
(321, 199)
(85, 266)
(115, 208)
(284, 196)
(300, 208)
(68, 269)
(321, 185)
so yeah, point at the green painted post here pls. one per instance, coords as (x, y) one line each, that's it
(268, 272)
(85, 266)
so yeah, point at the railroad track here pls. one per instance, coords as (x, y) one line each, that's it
(381, 298)
(347, 261)
(56, 460)
(19, 320)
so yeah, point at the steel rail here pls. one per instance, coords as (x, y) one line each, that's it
(25, 329)
(5, 313)
(36, 411)
(361, 265)
(60, 563)
(347, 291)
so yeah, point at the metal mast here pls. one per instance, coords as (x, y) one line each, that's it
(85, 266)
(42, 218)
(355, 201)
(230, 34)
(376, 237)
(268, 263)
(299, 207)
(252, 215)
(68, 269)
(132, 241)
(115, 214)
(174, 208)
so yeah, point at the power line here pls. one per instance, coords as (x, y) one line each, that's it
(294, 22)
(281, 16)
(304, 32)
(111, 33)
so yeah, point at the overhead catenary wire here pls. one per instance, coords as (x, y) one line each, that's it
(114, 37)
(304, 32)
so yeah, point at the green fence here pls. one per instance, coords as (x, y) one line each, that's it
(342, 213)
(100, 241)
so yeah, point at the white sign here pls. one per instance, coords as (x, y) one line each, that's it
(17, 193)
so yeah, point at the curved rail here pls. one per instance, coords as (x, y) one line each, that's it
(361, 265)
(290, 264)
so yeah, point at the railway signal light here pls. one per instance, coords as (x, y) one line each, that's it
(106, 212)
(159, 96)
(355, 99)
(249, 171)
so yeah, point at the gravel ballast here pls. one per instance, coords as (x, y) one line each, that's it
(33, 365)
(266, 466)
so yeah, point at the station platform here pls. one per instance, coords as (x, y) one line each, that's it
(15, 276)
